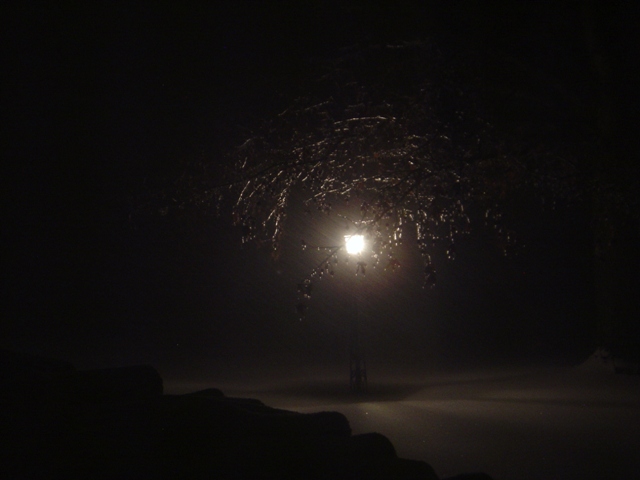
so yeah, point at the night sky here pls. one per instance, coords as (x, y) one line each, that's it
(104, 104)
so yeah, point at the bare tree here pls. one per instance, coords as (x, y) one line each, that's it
(393, 136)
(394, 132)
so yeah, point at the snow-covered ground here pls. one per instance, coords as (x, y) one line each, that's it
(553, 423)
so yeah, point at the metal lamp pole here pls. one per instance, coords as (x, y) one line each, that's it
(357, 364)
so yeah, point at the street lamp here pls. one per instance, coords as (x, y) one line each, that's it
(354, 245)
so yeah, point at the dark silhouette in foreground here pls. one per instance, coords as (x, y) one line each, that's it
(59, 422)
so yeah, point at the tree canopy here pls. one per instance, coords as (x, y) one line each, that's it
(385, 136)
(391, 134)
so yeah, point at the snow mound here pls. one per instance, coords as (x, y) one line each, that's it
(603, 361)
(600, 361)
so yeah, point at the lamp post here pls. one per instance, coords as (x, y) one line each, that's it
(358, 369)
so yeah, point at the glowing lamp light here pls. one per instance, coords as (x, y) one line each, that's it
(354, 244)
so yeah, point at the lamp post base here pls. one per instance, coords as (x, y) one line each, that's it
(357, 364)
(358, 377)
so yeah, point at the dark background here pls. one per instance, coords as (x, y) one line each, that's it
(103, 104)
